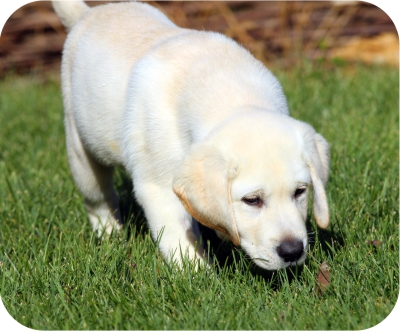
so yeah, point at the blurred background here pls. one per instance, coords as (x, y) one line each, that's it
(278, 33)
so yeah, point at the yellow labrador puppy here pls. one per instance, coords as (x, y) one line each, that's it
(201, 126)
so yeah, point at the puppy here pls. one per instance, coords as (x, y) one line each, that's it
(201, 126)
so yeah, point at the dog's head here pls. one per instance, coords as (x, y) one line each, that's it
(251, 178)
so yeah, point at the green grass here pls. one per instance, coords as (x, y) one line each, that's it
(55, 274)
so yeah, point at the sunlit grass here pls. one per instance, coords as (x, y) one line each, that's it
(56, 274)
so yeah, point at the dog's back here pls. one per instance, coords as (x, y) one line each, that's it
(103, 44)
(110, 48)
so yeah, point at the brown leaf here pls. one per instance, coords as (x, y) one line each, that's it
(376, 243)
(323, 278)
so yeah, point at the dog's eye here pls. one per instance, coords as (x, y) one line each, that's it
(299, 192)
(253, 201)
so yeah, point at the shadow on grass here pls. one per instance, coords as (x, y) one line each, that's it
(131, 212)
(328, 238)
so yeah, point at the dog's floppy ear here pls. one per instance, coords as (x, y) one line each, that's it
(202, 184)
(318, 161)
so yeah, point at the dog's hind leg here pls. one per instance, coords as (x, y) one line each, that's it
(95, 181)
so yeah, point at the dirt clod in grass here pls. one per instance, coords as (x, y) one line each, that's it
(323, 278)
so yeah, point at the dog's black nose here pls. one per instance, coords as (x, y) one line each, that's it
(290, 250)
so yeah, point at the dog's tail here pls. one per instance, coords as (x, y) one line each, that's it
(70, 11)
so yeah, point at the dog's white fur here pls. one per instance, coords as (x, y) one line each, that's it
(197, 122)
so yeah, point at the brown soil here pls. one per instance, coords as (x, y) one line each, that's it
(283, 32)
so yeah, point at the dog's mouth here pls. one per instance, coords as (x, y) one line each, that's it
(294, 263)
(278, 262)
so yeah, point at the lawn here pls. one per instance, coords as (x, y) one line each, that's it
(56, 274)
